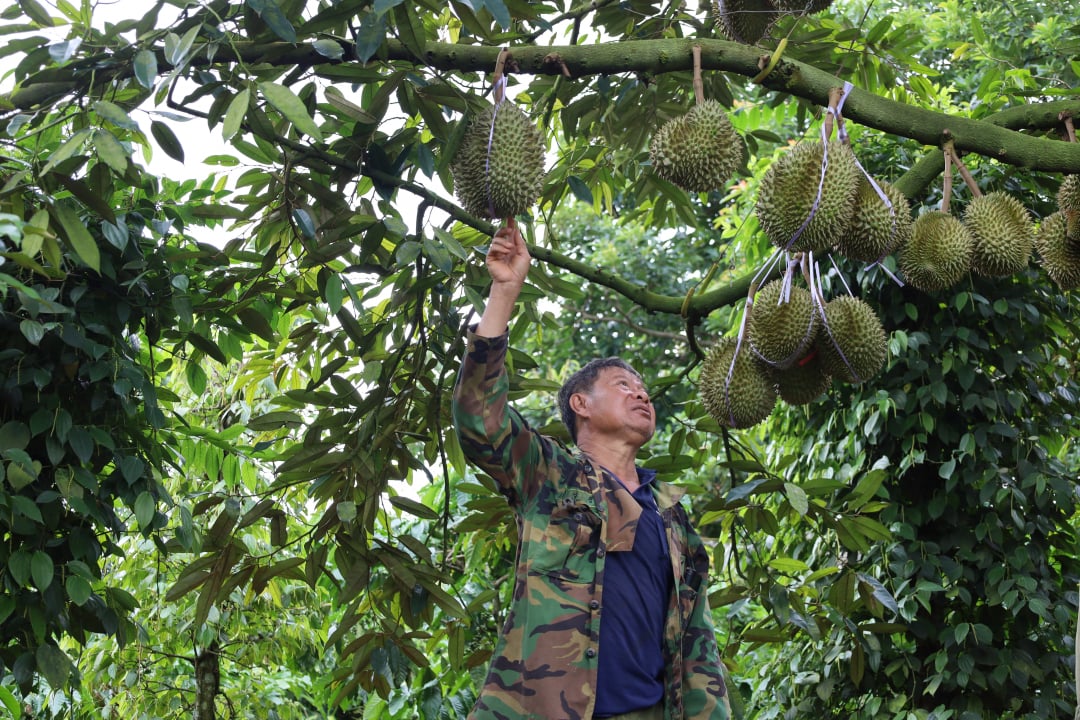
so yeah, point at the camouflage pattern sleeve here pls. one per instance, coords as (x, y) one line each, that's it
(493, 436)
(704, 691)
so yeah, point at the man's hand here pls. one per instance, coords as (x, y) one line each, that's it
(507, 258)
(508, 264)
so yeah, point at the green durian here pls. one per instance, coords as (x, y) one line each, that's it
(789, 191)
(938, 253)
(744, 399)
(1068, 195)
(698, 151)
(803, 381)
(1059, 251)
(780, 332)
(507, 180)
(876, 229)
(852, 341)
(1002, 231)
(745, 21)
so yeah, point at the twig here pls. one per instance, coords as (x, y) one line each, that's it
(946, 186)
(968, 179)
(699, 87)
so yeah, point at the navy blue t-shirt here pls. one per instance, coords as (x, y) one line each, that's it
(637, 586)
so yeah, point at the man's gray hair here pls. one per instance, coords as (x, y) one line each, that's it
(582, 381)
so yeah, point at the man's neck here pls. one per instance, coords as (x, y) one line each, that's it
(618, 458)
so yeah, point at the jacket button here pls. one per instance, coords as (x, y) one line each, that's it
(590, 653)
(594, 604)
(578, 517)
(601, 552)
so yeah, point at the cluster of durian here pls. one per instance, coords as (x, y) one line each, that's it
(498, 169)
(699, 151)
(994, 239)
(793, 349)
(800, 208)
(747, 21)
(1058, 237)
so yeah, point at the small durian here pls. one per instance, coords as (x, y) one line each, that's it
(745, 21)
(1068, 195)
(1002, 231)
(737, 391)
(699, 151)
(876, 229)
(499, 172)
(803, 381)
(781, 329)
(938, 253)
(1059, 251)
(852, 342)
(788, 194)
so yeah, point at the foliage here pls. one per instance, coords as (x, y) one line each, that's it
(224, 426)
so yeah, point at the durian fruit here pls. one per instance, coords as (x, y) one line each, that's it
(507, 180)
(748, 398)
(745, 21)
(851, 340)
(789, 190)
(1059, 251)
(802, 7)
(938, 254)
(781, 331)
(803, 381)
(1068, 196)
(876, 229)
(699, 151)
(1003, 233)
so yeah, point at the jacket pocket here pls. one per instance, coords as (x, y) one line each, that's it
(566, 549)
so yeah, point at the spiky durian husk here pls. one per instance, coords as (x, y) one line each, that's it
(789, 190)
(803, 381)
(1002, 232)
(1059, 251)
(698, 151)
(745, 21)
(748, 398)
(851, 340)
(876, 229)
(780, 332)
(802, 7)
(938, 254)
(507, 180)
(1068, 195)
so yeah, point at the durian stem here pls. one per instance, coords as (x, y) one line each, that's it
(1070, 130)
(699, 86)
(968, 179)
(946, 186)
(496, 78)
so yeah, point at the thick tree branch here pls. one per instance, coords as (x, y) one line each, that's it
(663, 56)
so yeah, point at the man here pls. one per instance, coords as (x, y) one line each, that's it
(610, 615)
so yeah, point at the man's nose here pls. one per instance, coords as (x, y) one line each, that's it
(643, 394)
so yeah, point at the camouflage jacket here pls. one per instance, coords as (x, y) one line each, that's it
(569, 516)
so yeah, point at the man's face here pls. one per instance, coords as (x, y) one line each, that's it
(619, 403)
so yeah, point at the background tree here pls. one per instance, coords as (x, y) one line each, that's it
(225, 399)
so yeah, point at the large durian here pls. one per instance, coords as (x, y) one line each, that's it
(498, 173)
(698, 151)
(788, 192)
(745, 21)
(1059, 251)
(1068, 195)
(876, 229)
(782, 328)
(938, 254)
(851, 340)
(1002, 232)
(738, 397)
(803, 381)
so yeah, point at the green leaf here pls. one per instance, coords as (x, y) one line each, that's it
(498, 10)
(292, 107)
(207, 346)
(54, 665)
(797, 497)
(167, 139)
(78, 589)
(580, 189)
(146, 68)
(67, 149)
(145, 506)
(413, 507)
(329, 48)
(14, 435)
(132, 468)
(37, 13)
(270, 12)
(234, 115)
(111, 151)
(334, 293)
(370, 36)
(41, 570)
(114, 114)
(18, 566)
(14, 707)
(78, 236)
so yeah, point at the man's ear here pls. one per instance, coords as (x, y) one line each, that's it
(579, 403)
